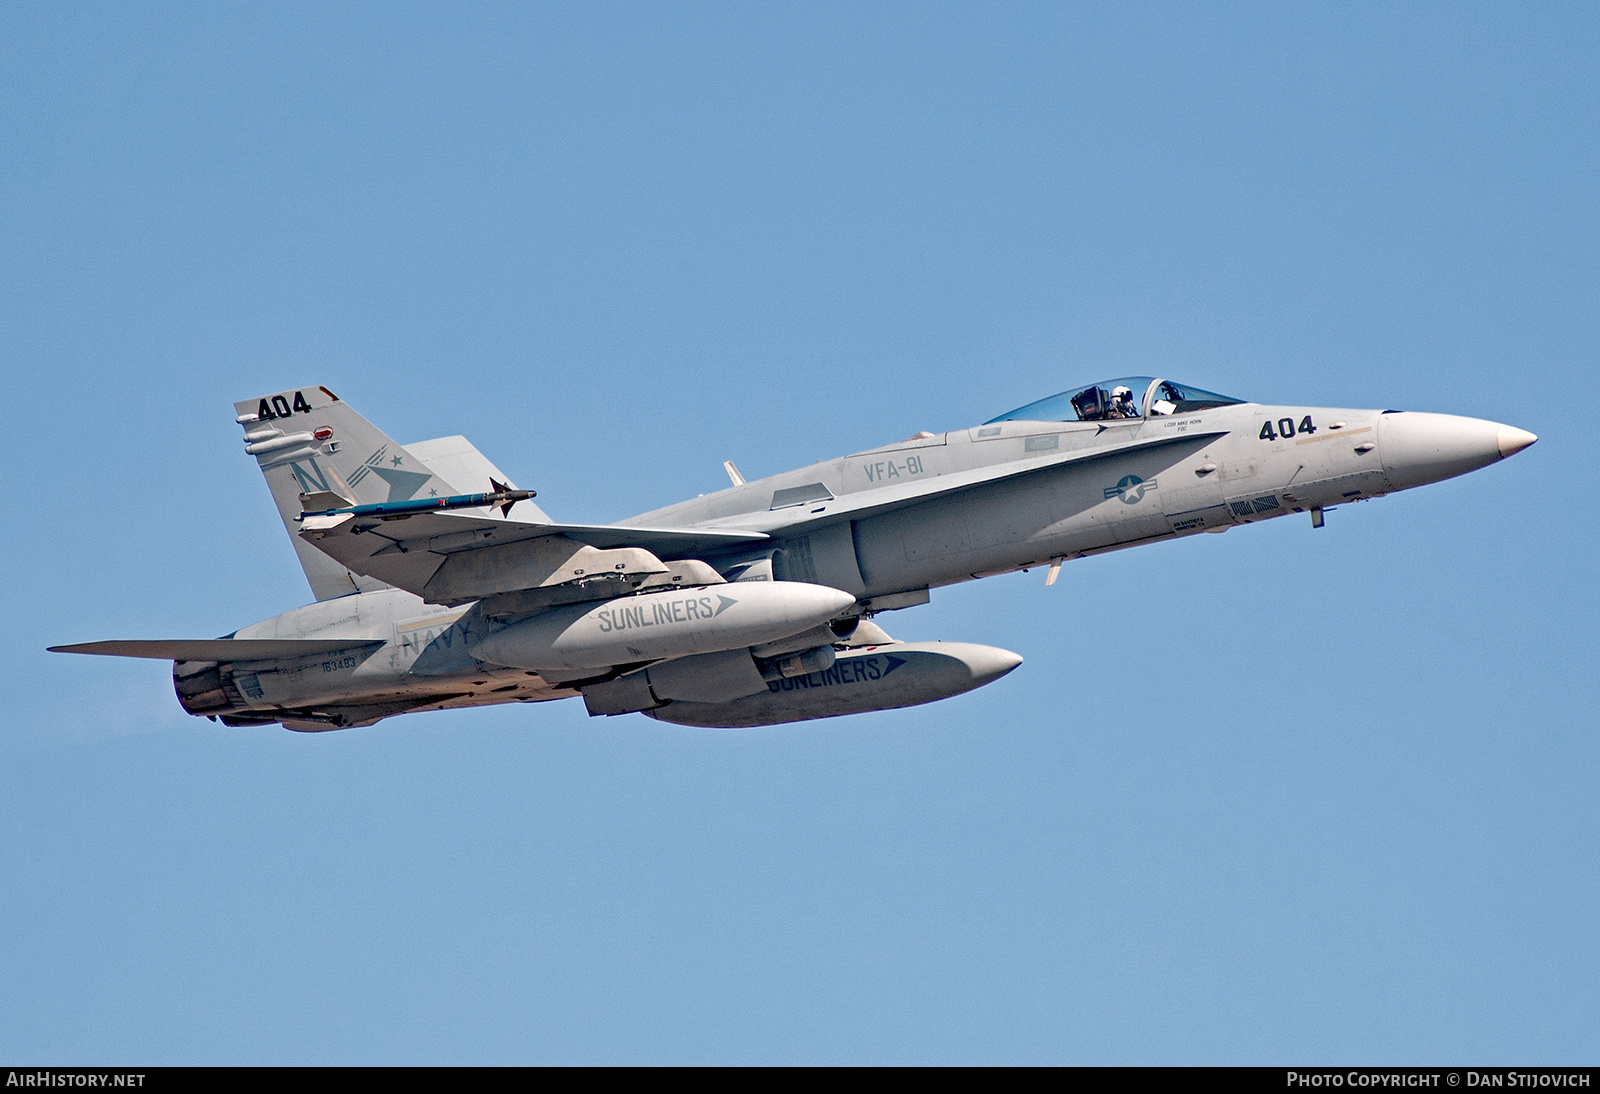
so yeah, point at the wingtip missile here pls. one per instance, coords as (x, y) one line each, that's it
(501, 496)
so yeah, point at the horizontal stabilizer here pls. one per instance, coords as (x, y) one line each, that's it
(219, 649)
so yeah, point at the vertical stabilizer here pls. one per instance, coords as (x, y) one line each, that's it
(307, 441)
(468, 471)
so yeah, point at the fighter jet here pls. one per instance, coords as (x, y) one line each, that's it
(756, 605)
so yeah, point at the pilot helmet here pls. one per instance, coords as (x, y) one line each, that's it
(1120, 392)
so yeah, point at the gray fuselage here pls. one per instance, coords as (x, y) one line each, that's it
(888, 524)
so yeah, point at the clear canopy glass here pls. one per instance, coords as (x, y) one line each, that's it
(1111, 400)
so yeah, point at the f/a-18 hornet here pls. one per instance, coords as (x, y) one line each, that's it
(752, 606)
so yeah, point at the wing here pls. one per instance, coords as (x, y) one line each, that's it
(218, 649)
(450, 558)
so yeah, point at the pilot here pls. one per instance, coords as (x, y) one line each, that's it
(1122, 403)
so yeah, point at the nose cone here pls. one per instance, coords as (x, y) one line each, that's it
(1422, 448)
(1514, 440)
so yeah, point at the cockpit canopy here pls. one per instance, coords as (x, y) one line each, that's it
(1110, 400)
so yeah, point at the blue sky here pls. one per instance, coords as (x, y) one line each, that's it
(1274, 796)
